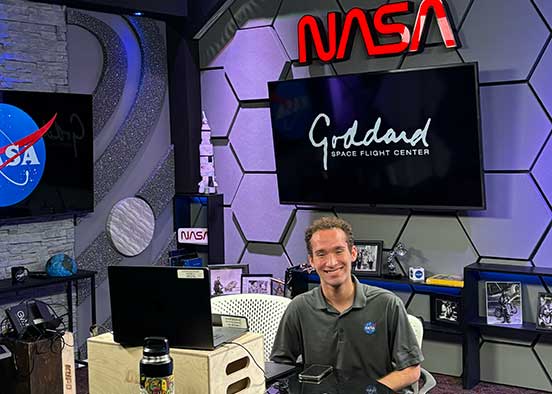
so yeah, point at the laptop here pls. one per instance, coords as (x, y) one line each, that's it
(172, 302)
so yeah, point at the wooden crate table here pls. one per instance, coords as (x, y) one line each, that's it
(226, 370)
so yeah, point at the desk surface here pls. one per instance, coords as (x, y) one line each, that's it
(339, 382)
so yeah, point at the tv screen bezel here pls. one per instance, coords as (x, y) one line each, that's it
(415, 207)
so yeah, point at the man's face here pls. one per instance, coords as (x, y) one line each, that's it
(331, 257)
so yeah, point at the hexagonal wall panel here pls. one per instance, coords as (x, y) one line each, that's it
(544, 350)
(541, 79)
(294, 240)
(289, 14)
(514, 220)
(375, 227)
(364, 4)
(419, 306)
(438, 244)
(498, 361)
(361, 62)
(266, 259)
(256, 13)
(214, 40)
(542, 171)
(511, 139)
(251, 138)
(431, 56)
(218, 101)
(442, 357)
(252, 58)
(233, 240)
(228, 172)
(496, 34)
(258, 210)
(543, 257)
(316, 69)
(545, 8)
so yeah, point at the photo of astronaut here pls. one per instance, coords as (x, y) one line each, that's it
(368, 261)
(447, 310)
(544, 311)
(226, 278)
(504, 303)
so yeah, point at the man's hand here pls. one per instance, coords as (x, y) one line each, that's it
(397, 380)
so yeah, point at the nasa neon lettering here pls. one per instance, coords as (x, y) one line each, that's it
(22, 154)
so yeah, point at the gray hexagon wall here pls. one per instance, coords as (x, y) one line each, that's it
(253, 42)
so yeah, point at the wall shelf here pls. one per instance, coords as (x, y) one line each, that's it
(298, 282)
(213, 203)
(473, 324)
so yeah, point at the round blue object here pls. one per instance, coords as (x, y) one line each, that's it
(61, 265)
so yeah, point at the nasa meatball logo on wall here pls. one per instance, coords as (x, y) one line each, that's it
(22, 154)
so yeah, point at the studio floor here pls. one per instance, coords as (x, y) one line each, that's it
(445, 385)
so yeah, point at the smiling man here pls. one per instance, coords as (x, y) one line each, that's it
(344, 323)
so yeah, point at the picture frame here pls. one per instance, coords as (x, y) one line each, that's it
(257, 283)
(369, 258)
(445, 309)
(544, 312)
(504, 304)
(278, 287)
(226, 278)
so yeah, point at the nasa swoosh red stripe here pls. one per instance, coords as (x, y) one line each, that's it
(27, 141)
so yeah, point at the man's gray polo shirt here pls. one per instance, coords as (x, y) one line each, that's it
(373, 336)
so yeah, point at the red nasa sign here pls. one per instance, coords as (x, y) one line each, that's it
(336, 43)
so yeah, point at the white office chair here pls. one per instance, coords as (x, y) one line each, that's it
(428, 381)
(263, 312)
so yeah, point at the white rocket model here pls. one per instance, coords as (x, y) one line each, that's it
(208, 184)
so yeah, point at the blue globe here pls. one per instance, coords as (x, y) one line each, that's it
(61, 265)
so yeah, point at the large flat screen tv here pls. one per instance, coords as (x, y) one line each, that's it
(404, 138)
(46, 154)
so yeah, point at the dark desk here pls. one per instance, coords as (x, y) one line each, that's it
(6, 287)
(339, 382)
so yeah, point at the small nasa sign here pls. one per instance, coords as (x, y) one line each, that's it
(196, 236)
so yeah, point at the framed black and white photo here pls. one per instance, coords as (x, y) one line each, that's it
(226, 278)
(544, 312)
(445, 309)
(368, 261)
(257, 283)
(278, 287)
(503, 303)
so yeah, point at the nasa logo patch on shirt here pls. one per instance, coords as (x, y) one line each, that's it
(370, 328)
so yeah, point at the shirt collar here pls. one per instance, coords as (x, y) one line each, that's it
(358, 302)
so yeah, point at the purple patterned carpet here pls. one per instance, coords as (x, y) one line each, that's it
(445, 385)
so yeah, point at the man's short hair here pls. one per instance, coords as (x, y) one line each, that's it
(328, 223)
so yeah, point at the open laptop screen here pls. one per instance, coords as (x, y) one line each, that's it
(172, 302)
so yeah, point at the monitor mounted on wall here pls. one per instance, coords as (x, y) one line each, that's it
(403, 138)
(46, 154)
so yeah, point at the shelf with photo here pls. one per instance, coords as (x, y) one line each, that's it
(503, 308)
